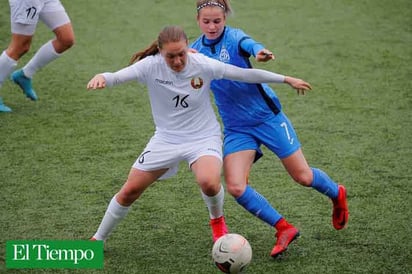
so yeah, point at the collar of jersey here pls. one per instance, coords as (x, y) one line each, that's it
(210, 43)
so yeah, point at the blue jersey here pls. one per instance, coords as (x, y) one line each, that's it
(239, 104)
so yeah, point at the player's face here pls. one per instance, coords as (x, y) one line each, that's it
(211, 21)
(175, 54)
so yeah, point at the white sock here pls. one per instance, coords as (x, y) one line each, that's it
(43, 56)
(114, 214)
(215, 203)
(7, 65)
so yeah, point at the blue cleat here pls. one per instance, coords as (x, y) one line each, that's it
(24, 83)
(3, 107)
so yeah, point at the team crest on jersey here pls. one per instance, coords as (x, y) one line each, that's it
(224, 55)
(196, 82)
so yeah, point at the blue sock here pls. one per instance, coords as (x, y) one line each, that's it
(324, 184)
(258, 206)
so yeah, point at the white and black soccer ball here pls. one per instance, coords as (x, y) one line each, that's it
(232, 253)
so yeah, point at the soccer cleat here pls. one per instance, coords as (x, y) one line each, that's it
(24, 83)
(3, 107)
(219, 227)
(340, 213)
(284, 238)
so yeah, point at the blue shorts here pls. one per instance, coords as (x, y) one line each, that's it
(277, 134)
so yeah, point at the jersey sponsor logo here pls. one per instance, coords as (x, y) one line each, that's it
(164, 82)
(224, 55)
(214, 150)
(196, 82)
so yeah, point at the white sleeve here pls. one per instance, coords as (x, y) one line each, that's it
(124, 75)
(251, 75)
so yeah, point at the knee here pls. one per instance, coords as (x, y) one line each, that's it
(304, 177)
(24, 49)
(67, 42)
(210, 187)
(64, 43)
(127, 196)
(235, 188)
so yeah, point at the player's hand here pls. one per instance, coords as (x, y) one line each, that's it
(190, 50)
(97, 82)
(264, 55)
(301, 86)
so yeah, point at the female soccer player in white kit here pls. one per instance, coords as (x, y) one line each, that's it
(186, 126)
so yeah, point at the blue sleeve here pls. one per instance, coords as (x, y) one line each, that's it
(250, 46)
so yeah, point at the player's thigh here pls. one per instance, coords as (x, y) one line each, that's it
(205, 160)
(207, 168)
(65, 33)
(56, 19)
(137, 182)
(241, 149)
(241, 139)
(298, 168)
(53, 14)
(237, 167)
(279, 136)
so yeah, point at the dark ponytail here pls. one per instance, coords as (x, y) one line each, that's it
(168, 34)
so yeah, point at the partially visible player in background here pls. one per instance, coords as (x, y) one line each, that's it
(24, 17)
(186, 126)
(252, 116)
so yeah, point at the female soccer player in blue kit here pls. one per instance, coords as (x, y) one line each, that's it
(252, 115)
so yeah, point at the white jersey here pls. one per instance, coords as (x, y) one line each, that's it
(180, 101)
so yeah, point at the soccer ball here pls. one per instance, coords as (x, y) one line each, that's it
(232, 253)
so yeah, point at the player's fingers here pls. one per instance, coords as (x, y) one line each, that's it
(93, 84)
(269, 55)
(301, 91)
(308, 86)
(89, 85)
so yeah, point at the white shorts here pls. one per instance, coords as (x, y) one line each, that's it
(159, 154)
(25, 14)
